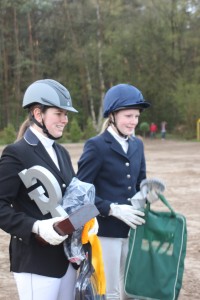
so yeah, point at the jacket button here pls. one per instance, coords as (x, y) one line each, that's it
(128, 176)
(127, 164)
(129, 188)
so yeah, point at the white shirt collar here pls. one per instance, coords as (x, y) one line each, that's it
(47, 143)
(117, 136)
(123, 141)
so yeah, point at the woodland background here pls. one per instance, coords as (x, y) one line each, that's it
(90, 45)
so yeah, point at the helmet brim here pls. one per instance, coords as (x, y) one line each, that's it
(140, 106)
(134, 106)
(68, 108)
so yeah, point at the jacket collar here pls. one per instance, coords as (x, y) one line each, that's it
(115, 145)
(31, 138)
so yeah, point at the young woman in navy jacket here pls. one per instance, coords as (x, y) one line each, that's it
(41, 271)
(114, 162)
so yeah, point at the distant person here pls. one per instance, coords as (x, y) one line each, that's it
(163, 130)
(153, 130)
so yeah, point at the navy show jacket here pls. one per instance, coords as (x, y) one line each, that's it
(115, 175)
(18, 212)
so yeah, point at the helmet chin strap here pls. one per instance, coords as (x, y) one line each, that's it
(44, 129)
(119, 132)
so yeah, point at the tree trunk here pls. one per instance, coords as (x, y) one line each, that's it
(80, 59)
(17, 78)
(5, 89)
(31, 48)
(100, 64)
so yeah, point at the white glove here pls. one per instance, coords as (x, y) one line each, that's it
(138, 201)
(127, 214)
(95, 228)
(46, 231)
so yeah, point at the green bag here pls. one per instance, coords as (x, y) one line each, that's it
(155, 261)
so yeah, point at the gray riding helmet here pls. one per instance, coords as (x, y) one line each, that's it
(48, 92)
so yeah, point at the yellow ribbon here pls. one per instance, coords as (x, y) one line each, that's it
(97, 258)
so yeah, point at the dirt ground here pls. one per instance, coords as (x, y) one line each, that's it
(177, 163)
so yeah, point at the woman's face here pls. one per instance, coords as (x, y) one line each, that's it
(126, 120)
(55, 120)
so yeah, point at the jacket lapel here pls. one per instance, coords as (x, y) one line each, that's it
(62, 163)
(115, 146)
(132, 147)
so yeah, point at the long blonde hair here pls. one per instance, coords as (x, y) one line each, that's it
(105, 125)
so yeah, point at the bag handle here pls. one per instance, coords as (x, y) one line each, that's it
(164, 201)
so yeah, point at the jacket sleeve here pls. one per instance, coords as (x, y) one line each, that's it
(142, 173)
(12, 221)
